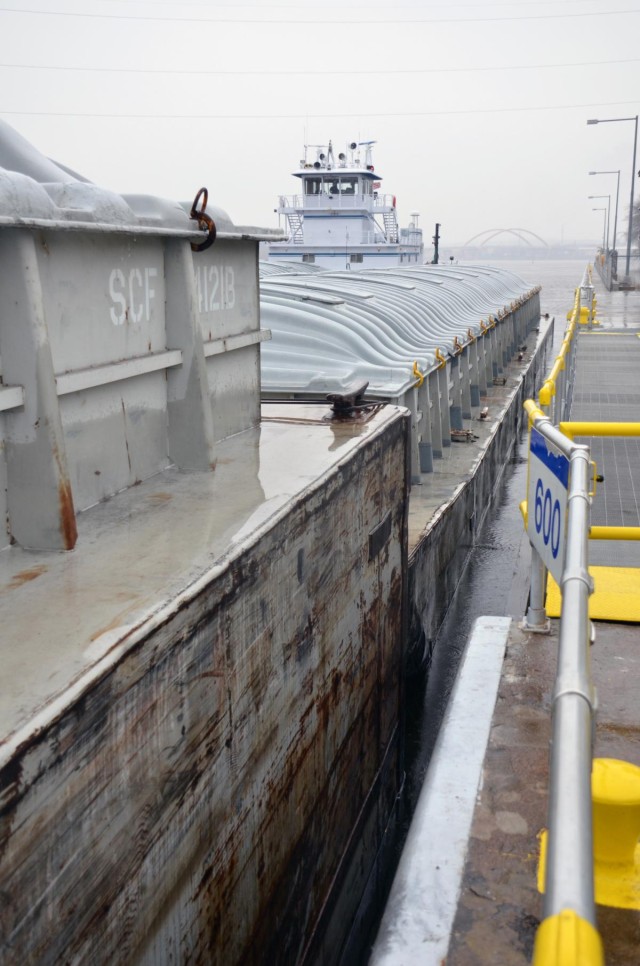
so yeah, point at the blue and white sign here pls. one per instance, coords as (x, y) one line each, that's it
(547, 502)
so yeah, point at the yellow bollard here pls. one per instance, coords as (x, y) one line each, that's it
(567, 940)
(615, 787)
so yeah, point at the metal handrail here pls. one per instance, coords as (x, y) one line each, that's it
(377, 203)
(569, 873)
(569, 869)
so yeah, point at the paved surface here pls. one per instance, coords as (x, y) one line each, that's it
(608, 390)
(499, 908)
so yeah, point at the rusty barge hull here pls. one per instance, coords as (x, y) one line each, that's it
(196, 801)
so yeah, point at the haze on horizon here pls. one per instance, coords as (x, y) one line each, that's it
(478, 109)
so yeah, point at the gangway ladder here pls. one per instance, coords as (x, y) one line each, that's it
(295, 220)
(391, 225)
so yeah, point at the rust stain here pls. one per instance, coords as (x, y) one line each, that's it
(68, 526)
(67, 515)
(25, 576)
(116, 622)
(159, 498)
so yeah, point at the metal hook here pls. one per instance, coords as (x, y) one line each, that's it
(204, 221)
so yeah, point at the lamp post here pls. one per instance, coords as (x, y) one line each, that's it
(604, 224)
(609, 120)
(608, 197)
(615, 215)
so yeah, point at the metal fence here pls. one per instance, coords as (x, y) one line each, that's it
(611, 267)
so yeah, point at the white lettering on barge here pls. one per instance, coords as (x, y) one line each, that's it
(216, 287)
(132, 294)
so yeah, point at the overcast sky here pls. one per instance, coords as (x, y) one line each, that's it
(479, 109)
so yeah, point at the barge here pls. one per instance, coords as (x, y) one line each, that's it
(207, 602)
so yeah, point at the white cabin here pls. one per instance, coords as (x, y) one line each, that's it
(341, 219)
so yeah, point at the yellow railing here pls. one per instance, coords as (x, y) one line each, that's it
(618, 430)
(579, 315)
(548, 388)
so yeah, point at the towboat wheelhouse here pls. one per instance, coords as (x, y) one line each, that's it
(341, 219)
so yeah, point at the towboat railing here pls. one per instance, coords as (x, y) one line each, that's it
(374, 201)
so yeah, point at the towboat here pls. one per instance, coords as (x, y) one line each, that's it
(340, 219)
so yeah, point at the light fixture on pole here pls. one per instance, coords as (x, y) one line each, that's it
(604, 223)
(608, 197)
(609, 120)
(615, 215)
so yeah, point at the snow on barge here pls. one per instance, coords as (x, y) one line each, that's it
(206, 603)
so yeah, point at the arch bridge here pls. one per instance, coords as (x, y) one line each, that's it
(523, 234)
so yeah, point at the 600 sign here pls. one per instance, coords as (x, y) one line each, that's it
(547, 517)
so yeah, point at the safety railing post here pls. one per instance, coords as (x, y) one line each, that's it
(536, 619)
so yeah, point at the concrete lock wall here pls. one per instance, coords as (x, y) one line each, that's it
(198, 802)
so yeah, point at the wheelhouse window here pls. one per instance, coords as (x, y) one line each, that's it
(333, 186)
(340, 186)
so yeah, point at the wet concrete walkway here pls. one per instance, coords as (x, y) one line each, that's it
(499, 907)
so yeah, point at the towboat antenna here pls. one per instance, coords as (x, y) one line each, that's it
(330, 161)
(367, 145)
(436, 244)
